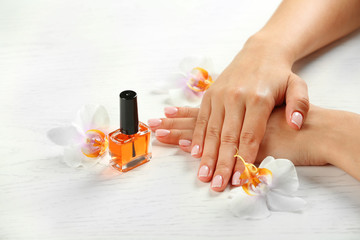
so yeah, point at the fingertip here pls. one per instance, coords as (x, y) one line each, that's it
(162, 136)
(296, 120)
(170, 111)
(159, 133)
(204, 173)
(236, 179)
(297, 102)
(294, 117)
(195, 151)
(154, 123)
(217, 183)
(185, 145)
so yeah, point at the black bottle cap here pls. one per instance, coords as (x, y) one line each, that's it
(129, 120)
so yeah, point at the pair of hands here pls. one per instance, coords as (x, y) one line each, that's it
(234, 114)
(235, 110)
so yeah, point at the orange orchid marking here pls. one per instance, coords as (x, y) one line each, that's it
(200, 80)
(96, 143)
(252, 175)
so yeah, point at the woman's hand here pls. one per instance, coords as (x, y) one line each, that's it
(279, 140)
(323, 138)
(235, 110)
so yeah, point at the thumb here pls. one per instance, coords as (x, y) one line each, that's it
(297, 102)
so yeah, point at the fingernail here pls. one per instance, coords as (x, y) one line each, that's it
(162, 132)
(217, 181)
(154, 122)
(184, 143)
(195, 150)
(297, 119)
(236, 178)
(170, 110)
(203, 171)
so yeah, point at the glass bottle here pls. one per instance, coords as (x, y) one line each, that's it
(130, 145)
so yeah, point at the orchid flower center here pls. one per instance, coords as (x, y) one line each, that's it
(95, 143)
(257, 180)
(199, 80)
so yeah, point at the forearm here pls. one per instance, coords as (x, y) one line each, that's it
(327, 137)
(300, 27)
(341, 145)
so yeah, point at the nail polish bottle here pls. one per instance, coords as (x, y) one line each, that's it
(129, 146)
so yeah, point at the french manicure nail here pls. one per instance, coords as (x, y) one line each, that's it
(154, 122)
(162, 132)
(236, 178)
(184, 143)
(195, 150)
(170, 110)
(297, 119)
(217, 181)
(203, 171)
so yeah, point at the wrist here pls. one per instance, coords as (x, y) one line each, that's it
(317, 127)
(342, 141)
(333, 138)
(264, 46)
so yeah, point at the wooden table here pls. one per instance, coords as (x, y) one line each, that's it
(56, 56)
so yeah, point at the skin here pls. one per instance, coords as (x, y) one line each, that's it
(318, 143)
(235, 110)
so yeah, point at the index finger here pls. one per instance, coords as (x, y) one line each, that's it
(181, 112)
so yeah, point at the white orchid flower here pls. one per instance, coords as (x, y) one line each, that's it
(187, 87)
(271, 189)
(85, 142)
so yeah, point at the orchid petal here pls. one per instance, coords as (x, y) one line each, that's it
(207, 64)
(100, 119)
(266, 161)
(73, 156)
(173, 81)
(85, 141)
(64, 136)
(176, 79)
(279, 202)
(285, 179)
(83, 118)
(246, 206)
(92, 117)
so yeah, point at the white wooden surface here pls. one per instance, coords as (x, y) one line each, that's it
(56, 56)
